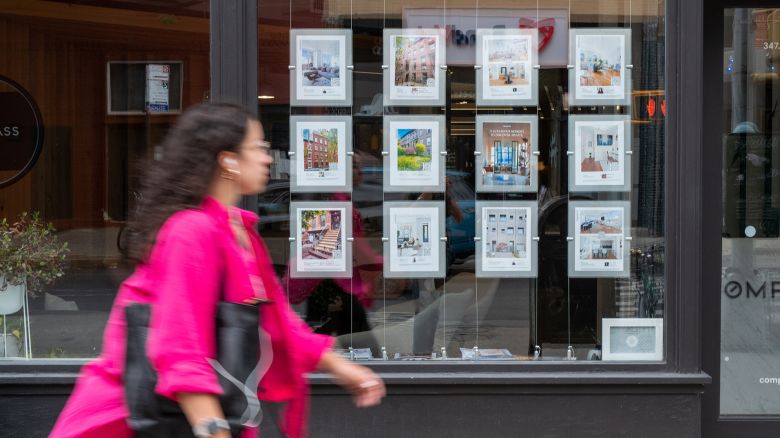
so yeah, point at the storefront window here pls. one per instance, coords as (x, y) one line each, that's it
(750, 306)
(499, 167)
(92, 86)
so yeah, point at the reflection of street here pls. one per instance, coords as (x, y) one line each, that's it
(421, 324)
(68, 320)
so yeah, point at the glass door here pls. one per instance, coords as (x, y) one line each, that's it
(749, 365)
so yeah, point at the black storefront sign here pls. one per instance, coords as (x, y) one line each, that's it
(21, 132)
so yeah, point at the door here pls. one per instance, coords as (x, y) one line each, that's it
(742, 320)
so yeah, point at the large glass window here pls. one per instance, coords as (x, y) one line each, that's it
(750, 296)
(93, 85)
(455, 181)
(453, 117)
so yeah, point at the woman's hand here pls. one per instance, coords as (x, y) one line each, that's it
(366, 387)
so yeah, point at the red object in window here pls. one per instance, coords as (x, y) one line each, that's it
(651, 107)
(546, 28)
(663, 107)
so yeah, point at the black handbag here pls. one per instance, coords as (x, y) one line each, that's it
(237, 364)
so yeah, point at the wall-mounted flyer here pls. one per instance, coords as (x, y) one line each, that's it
(507, 73)
(158, 79)
(321, 161)
(320, 73)
(599, 153)
(319, 246)
(413, 67)
(601, 243)
(414, 248)
(505, 147)
(506, 247)
(413, 161)
(599, 73)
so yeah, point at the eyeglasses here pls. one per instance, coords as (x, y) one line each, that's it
(262, 146)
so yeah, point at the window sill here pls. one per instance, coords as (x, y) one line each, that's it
(65, 372)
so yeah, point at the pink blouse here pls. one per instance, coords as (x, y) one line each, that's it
(194, 258)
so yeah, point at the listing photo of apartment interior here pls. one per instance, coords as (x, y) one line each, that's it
(601, 222)
(600, 150)
(507, 154)
(600, 60)
(506, 59)
(320, 66)
(600, 248)
(413, 235)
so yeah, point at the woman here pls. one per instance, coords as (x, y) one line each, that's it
(193, 246)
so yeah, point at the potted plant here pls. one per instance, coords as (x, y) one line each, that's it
(31, 256)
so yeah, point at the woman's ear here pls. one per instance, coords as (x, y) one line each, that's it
(227, 162)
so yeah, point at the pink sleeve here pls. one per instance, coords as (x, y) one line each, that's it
(187, 272)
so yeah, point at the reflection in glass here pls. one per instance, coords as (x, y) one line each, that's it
(750, 295)
(506, 318)
(109, 78)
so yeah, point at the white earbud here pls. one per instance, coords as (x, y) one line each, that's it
(230, 162)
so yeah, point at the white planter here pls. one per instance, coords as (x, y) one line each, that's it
(12, 298)
(11, 343)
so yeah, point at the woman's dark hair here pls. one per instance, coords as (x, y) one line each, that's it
(178, 178)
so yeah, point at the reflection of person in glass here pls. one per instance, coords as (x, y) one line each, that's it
(195, 249)
(338, 306)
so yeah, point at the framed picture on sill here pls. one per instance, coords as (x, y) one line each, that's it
(320, 245)
(599, 73)
(412, 154)
(632, 339)
(599, 153)
(505, 148)
(601, 241)
(320, 73)
(506, 247)
(507, 75)
(413, 247)
(413, 59)
(322, 161)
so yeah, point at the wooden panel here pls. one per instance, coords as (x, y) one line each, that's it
(80, 14)
(62, 63)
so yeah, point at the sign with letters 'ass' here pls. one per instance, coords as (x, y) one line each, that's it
(21, 132)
